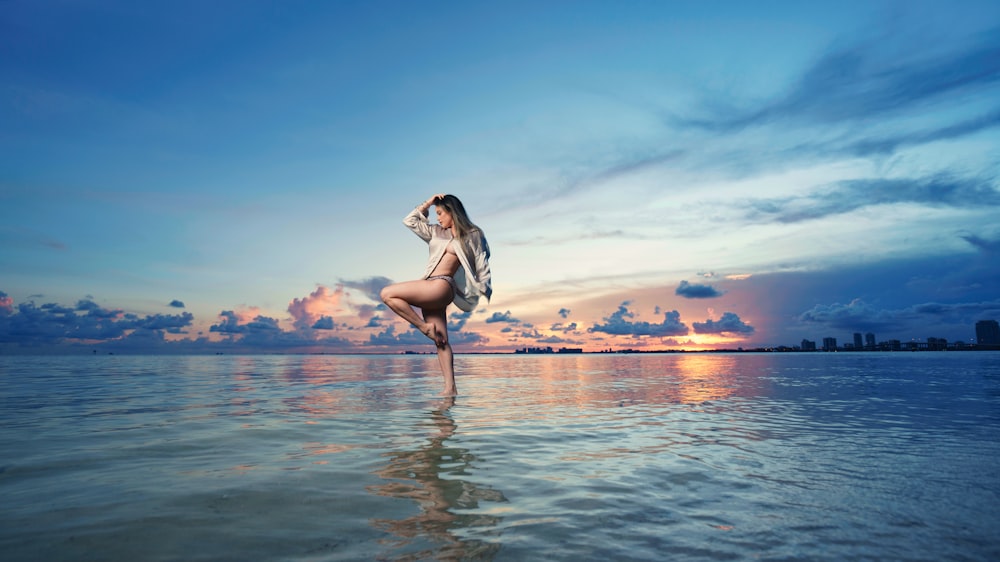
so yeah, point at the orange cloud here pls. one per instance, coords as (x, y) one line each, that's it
(320, 303)
(247, 314)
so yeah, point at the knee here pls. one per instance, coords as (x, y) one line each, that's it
(385, 293)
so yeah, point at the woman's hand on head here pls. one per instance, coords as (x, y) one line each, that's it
(434, 200)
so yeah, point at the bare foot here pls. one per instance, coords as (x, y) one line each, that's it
(431, 332)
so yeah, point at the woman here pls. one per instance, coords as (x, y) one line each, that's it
(458, 271)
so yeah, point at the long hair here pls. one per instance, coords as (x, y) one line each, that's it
(463, 228)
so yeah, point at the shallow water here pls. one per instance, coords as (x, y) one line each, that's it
(676, 456)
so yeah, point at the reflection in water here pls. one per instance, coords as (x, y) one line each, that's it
(417, 475)
(625, 380)
(704, 378)
(828, 456)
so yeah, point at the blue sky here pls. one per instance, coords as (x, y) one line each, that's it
(680, 175)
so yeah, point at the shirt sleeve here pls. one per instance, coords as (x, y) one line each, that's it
(481, 261)
(418, 223)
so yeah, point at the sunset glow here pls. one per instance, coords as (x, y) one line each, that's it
(656, 176)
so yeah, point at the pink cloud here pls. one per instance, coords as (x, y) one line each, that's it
(247, 314)
(322, 302)
(6, 304)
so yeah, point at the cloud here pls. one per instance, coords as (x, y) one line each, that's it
(389, 337)
(466, 338)
(502, 317)
(51, 323)
(458, 320)
(307, 311)
(858, 315)
(963, 311)
(264, 333)
(556, 339)
(20, 237)
(696, 291)
(564, 312)
(889, 144)
(369, 286)
(617, 325)
(368, 310)
(323, 323)
(729, 323)
(171, 323)
(176, 304)
(231, 324)
(95, 310)
(674, 342)
(846, 196)
(560, 327)
(411, 337)
(867, 80)
(987, 246)
(572, 183)
(867, 99)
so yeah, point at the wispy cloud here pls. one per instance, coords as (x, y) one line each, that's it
(859, 315)
(886, 144)
(851, 195)
(16, 236)
(867, 80)
(369, 286)
(986, 245)
(584, 234)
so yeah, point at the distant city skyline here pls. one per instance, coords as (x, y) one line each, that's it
(985, 332)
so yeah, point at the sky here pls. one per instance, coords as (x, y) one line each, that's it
(231, 176)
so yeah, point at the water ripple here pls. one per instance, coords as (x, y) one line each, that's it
(700, 457)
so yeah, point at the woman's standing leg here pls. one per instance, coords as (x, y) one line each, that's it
(438, 318)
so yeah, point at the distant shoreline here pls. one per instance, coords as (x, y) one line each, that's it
(236, 353)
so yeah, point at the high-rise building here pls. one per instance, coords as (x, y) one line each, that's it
(937, 344)
(829, 344)
(869, 341)
(987, 332)
(808, 345)
(858, 346)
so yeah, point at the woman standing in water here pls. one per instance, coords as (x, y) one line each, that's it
(458, 271)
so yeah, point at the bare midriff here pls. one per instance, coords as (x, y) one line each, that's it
(449, 263)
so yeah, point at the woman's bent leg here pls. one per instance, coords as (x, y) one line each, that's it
(425, 294)
(439, 319)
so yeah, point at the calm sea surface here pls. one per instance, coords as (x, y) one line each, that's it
(821, 456)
